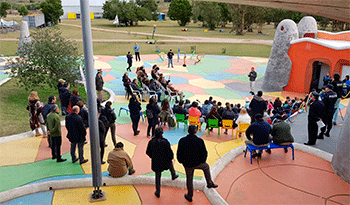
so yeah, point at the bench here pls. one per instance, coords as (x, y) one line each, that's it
(251, 148)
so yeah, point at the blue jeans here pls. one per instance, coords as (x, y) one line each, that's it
(170, 62)
(336, 107)
(73, 145)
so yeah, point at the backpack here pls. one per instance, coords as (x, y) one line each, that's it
(149, 113)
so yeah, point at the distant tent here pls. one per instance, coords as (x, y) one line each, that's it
(116, 20)
(4, 23)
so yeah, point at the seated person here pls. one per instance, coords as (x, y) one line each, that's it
(195, 112)
(261, 134)
(180, 109)
(178, 92)
(162, 80)
(281, 134)
(154, 72)
(206, 108)
(119, 162)
(220, 108)
(213, 114)
(153, 87)
(187, 105)
(243, 117)
(346, 86)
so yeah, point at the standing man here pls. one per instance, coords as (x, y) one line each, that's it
(137, 51)
(316, 113)
(192, 154)
(257, 105)
(338, 88)
(54, 131)
(99, 84)
(327, 79)
(76, 134)
(252, 76)
(329, 100)
(170, 58)
(129, 61)
(64, 98)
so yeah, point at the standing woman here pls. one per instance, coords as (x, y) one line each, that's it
(154, 119)
(159, 151)
(134, 108)
(129, 61)
(35, 117)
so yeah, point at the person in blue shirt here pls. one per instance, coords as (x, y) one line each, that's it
(327, 79)
(137, 52)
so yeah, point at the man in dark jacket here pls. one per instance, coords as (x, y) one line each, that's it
(316, 113)
(64, 98)
(159, 150)
(129, 61)
(109, 113)
(281, 134)
(54, 130)
(180, 109)
(76, 134)
(261, 134)
(192, 154)
(99, 84)
(329, 100)
(252, 76)
(257, 105)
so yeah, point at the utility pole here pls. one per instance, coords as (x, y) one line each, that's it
(97, 194)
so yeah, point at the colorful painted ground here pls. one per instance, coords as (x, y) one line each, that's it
(225, 78)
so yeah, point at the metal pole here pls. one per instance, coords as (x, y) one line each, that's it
(92, 100)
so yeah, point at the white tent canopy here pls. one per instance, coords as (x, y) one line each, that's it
(77, 2)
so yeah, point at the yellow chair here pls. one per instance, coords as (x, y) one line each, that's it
(192, 120)
(227, 124)
(242, 128)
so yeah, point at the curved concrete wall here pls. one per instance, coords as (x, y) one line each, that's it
(341, 158)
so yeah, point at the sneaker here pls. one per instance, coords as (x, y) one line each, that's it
(136, 133)
(174, 177)
(54, 157)
(74, 161)
(212, 186)
(103, 162)
(188, 198)
(61, 160)
(106, 145)
(320, 137)
(259, 155)
(285, 150)
(326, 134)
(334, 123)
(225, 133)
(83, 161)
(268, 151)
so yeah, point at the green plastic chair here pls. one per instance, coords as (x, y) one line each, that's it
(213, 123)
(181, 118)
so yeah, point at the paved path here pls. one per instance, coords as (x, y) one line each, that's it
(276, 178)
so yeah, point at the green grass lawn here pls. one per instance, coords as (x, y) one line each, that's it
(14, 117)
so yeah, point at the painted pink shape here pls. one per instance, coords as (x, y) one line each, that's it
(108, 77)
(231, 81)
(186, 76)
(191, 88)
(240, 66)
(105, 59)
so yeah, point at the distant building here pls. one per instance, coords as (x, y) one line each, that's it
(71, 9)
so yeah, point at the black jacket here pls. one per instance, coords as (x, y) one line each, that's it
(99, 83)
(85, 116)
(252, 75)
(329, 100)
(109, 114)
(47, 109)
(338, 87)
(191, 151)
(160, 152)
(155, 111)
(261, 131)
(257, 105)
(64, 96)
(75, 127)
(134, 107)
(75, 99)
(317, 111)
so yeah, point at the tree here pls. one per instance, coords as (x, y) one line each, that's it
(52, 9)
(44, 60)
(23, 11)
(3, 7)
(181, 11)
(211, 14)
(130, 12)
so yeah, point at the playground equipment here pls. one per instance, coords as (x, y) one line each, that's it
(193, 54)
(199, 58)
(162, 56)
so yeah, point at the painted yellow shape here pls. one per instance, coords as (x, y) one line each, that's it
(101, 65)
(120, 99)
(92, 15)
(225, 147)
(128, 147)
(179, 68)
(212, 157)
(122, 195)
(206, 84)
(275, 94)
(345, 102)
(257, 60)
(19, 151)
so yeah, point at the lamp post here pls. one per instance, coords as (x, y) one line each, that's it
(154, 30)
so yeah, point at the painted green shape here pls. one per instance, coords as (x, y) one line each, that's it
(3, 76)
(19, 175)
(109, 85)
(152, 61)
(208, 65)
(173, 71)
(119, 67)
(242, 78)
(123, 118)
(224, 93)
(188, 94)
(167, 173)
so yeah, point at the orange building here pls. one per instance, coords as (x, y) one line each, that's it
(313, 58)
